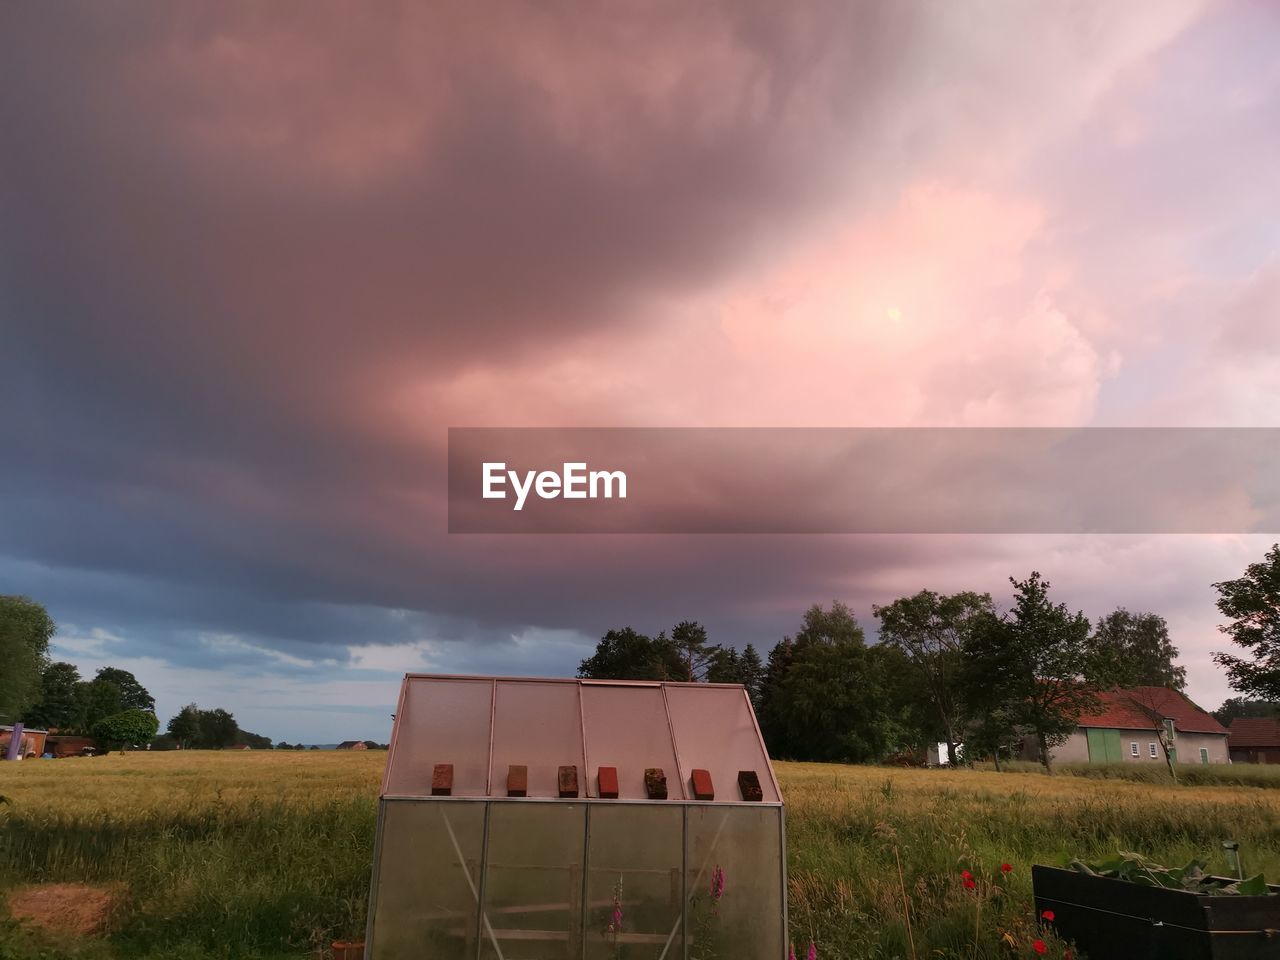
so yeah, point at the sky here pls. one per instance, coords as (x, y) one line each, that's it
(254, 262)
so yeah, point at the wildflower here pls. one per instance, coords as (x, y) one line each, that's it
(1006, 868)
(1066, 955)
(717, 883)
(1039, 947)
(1047, 915)
(615, 921)
(969, 884)
(813, 951)
(791, 952)
(966, 874)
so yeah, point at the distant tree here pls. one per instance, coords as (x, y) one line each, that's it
(628, 655)
(730, 666)
(931, 630)
(1163, 730)
(1133, 650)
(218, 729)
(284, 745)
(125, 729)
(690, 639)
(254, 740)
(184, 726)
(133, 695)
(1234, 707)
(836, 625)
(1031, 665)
(1252, 604)
(98, 699)
(752, 670)
(25, 631)
(60, 705)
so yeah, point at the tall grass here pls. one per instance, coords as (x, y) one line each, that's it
(233, 855)
(1194, 774)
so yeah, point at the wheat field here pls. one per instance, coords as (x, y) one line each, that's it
(267, 855)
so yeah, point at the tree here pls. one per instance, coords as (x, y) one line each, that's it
(60, 706)
(98, 699)
(836, 625)
(1234, 707)
(218, 729)
(125, 729)
(628, 655)
(690, 639)
(1252, 603)
(133, 695)
(184, 726)
(1031, 664)
(1133, 650)
(1146, 699)
(25, 631)
(931, 630)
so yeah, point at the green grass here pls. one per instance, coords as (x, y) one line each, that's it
(267, 856)
(1192, 774)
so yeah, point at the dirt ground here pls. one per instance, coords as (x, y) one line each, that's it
(66, 908)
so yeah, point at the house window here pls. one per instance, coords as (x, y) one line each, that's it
(1204, 754)
(1168, 731)
(1133, 748)
(1153, 750)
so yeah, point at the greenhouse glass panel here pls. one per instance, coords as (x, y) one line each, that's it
(425, 887)
(537, 726)
(635, 882)
(715, 729)
(735, 882)
(442, 722)
(627, 729)
(533, 880)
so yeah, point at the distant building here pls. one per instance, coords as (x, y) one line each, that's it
(33, 742)
(352, 745)
(1124, 730)
(66, 745)
(238, 746)
(1254, 740)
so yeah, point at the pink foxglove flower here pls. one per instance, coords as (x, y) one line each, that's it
(791, 952)
(717, 883)
(813, 951)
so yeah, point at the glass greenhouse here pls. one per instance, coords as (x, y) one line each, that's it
(525, 819)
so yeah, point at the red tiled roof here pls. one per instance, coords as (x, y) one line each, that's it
(1254, 732)
(1128, 710)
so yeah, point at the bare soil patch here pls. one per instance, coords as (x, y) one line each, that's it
(66, 908)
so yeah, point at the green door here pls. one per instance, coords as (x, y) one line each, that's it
(1104, 745)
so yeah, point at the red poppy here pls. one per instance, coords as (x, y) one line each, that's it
(969, 884)
(1039, 946)
(966, 874)
(1047, 915)
(1006, 868)
(1066, 955)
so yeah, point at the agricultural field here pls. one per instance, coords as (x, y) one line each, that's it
(266, 855)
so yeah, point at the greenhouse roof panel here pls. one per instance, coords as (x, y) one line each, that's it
(561, 732)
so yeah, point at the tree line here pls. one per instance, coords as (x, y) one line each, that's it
(956, 669)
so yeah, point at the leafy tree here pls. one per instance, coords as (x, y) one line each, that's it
(1234, 707)
(690, 639)
(25, 631)
(628, 655)
(98, 699)
(125, 728)
(255, 740)
(218, 729)
(1030, 664)
(821, 710)
(184, 726)
(1252, 604)
(60, 705)
(1133, 650)
(133, 695)
(836, 625)
(931, 630)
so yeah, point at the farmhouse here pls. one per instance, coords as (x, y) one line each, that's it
(1126, 729)
(1254, 740)
(352, 745)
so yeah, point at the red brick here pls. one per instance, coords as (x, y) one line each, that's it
(701, 784)
(517, 780)
(749, 784)
(442, 780)
(655, 783)
(568, 778)
(608, 781)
